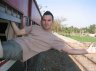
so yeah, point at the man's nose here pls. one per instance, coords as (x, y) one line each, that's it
(46, 22)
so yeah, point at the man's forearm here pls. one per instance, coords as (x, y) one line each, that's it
(78, 51)
(17, 30)
(75, 51)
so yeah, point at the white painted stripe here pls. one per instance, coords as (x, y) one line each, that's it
(1, 50)
(7, 65)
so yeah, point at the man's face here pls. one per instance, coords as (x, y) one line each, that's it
(47, 22)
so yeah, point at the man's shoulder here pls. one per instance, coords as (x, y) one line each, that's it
(56, 34)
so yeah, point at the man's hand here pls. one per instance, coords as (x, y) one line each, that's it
(91, 49)
(18, 31)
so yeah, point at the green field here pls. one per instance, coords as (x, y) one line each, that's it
(83, 38)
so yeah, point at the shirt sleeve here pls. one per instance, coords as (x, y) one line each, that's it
(59, 43)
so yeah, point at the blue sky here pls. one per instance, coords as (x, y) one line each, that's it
(78, 13)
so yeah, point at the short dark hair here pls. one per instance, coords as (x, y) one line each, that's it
(48, 13)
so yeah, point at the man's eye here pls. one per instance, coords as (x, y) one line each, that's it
(49, 20)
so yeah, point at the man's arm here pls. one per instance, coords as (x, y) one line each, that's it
(62, 44)
(75, 51)
(17, 30)
(91, 49)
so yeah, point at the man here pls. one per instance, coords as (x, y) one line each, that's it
(41, 38)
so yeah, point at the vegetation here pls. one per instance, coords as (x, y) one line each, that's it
(57, 27)
(83, 38)
(80, 34)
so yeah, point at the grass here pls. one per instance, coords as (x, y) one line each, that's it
(83, 38)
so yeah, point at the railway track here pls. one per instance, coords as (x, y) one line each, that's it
(86, 62)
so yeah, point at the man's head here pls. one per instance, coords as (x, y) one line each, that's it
(47, 20)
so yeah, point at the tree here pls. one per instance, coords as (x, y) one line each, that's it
(57, 27)
(92, 29)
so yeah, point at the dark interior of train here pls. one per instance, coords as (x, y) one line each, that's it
(3, 27)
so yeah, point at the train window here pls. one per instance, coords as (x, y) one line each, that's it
(2, 7)
(9, 10)
(18, 16)
(14, 13)
(28, 23)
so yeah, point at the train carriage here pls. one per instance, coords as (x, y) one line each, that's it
(23, 12)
